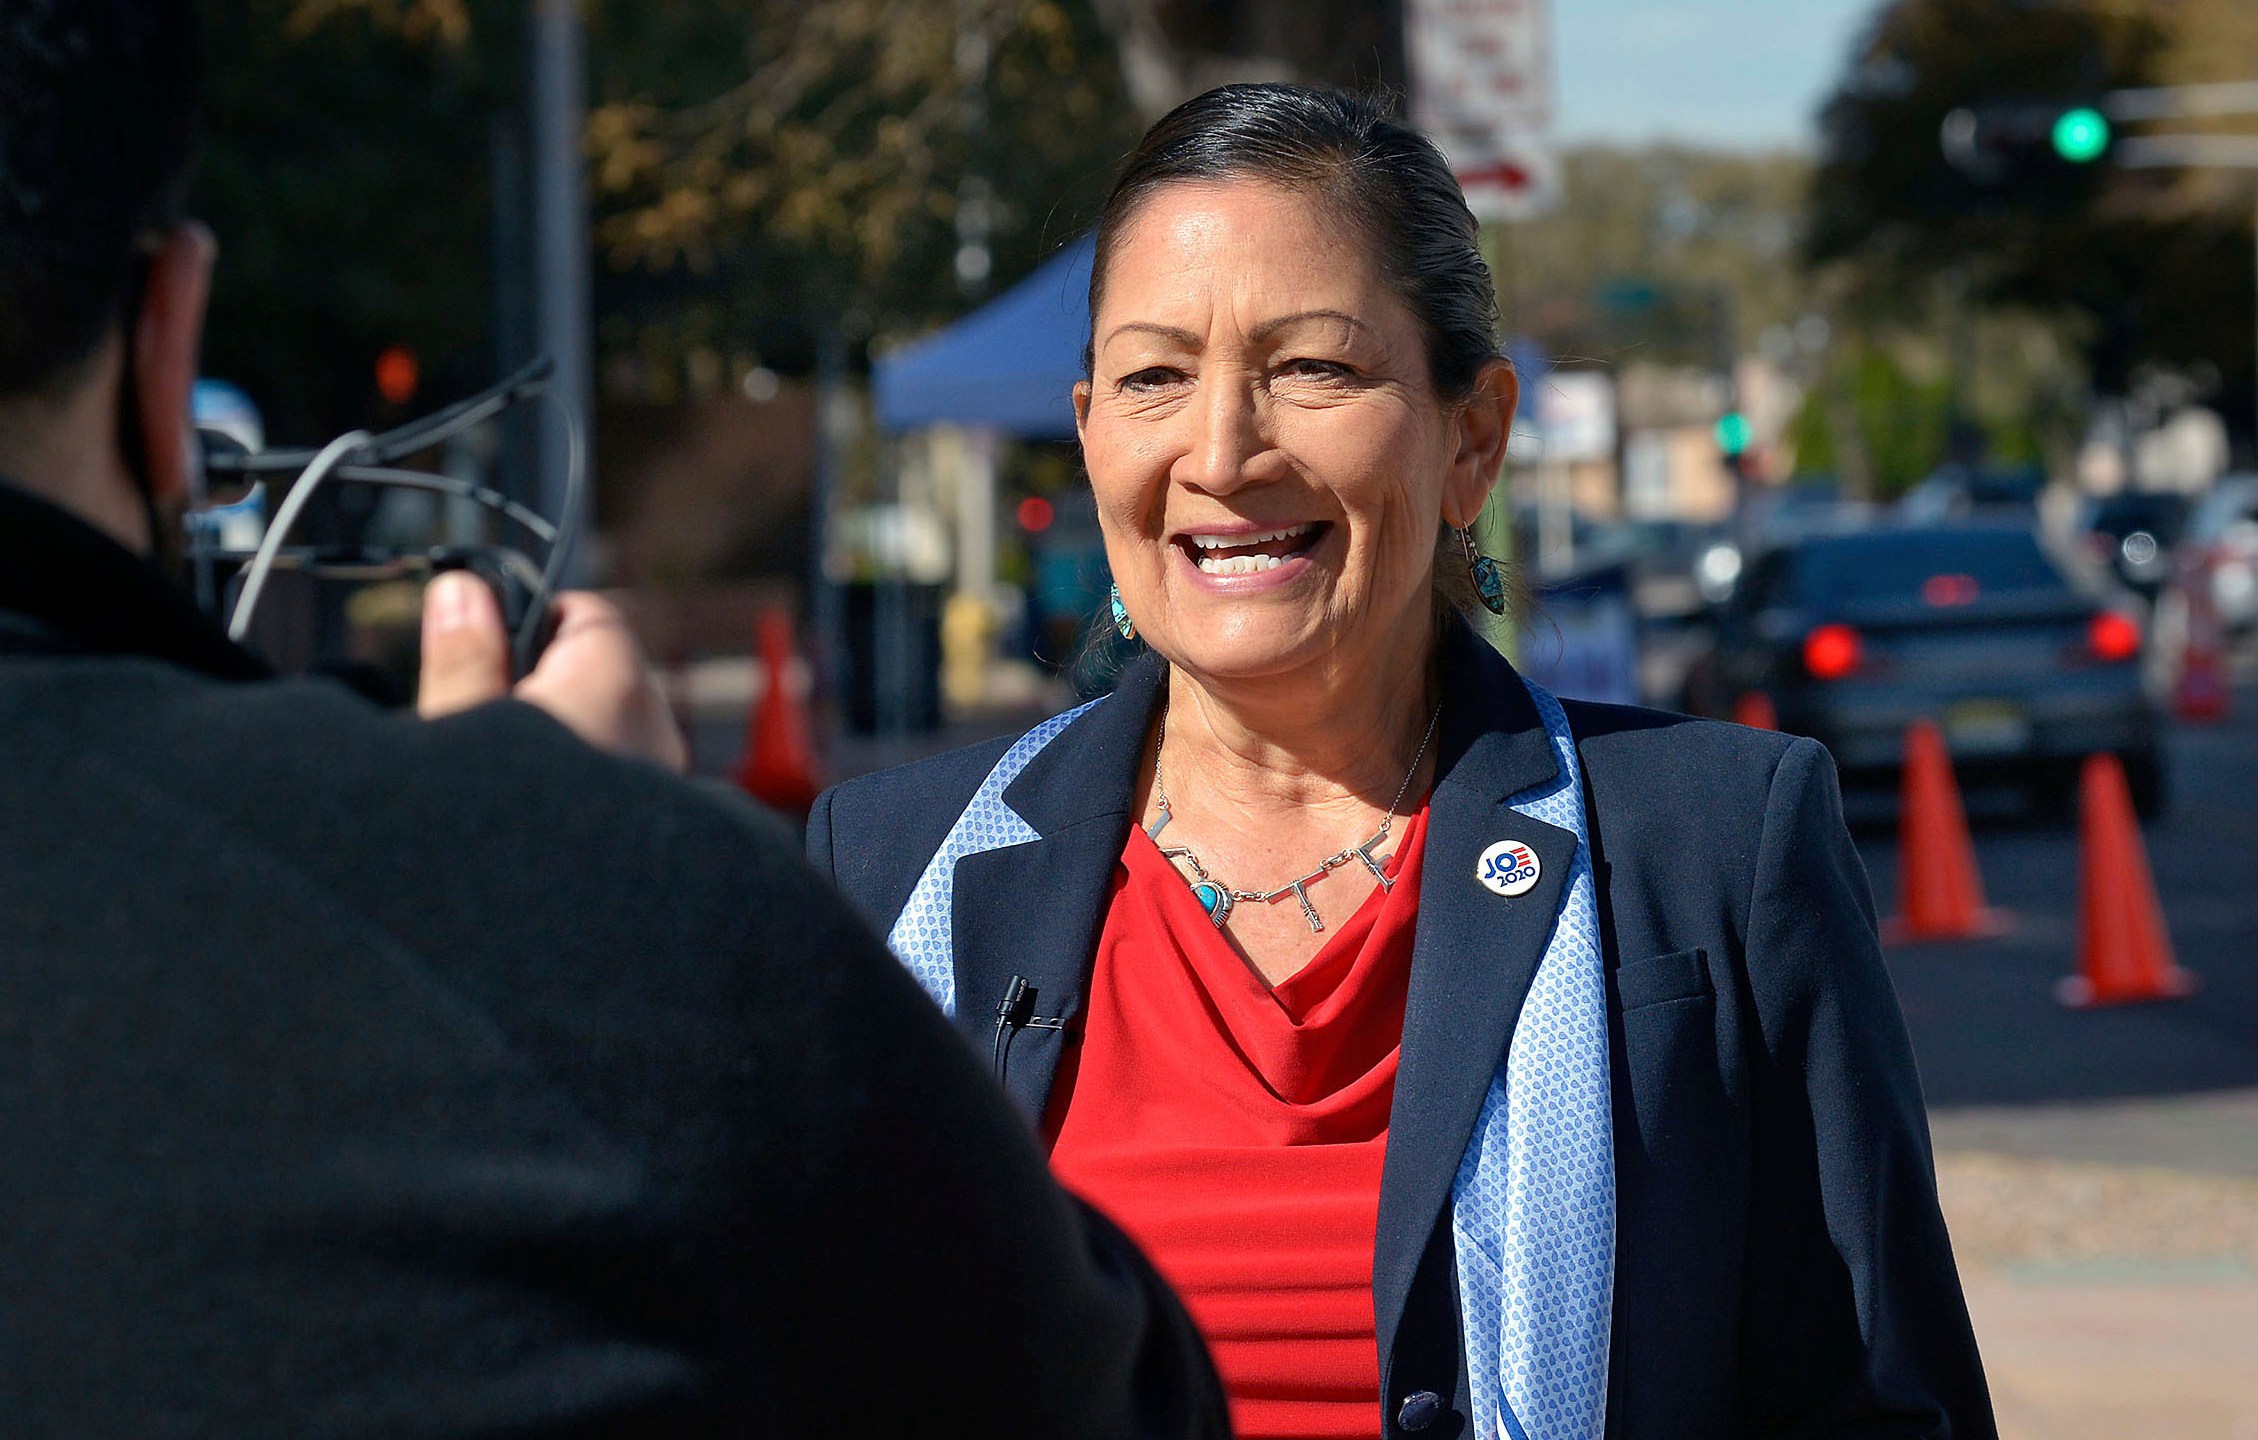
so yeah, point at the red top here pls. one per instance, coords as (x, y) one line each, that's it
(1236, 1132)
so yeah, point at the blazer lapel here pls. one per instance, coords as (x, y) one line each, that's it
(1034, 910)
(1474, 957)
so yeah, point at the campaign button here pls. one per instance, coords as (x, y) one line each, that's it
(1509, 868)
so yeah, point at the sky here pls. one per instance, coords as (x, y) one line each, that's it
(1739, 74)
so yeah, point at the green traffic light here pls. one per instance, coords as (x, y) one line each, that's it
(2081, 135)
(1733, 432)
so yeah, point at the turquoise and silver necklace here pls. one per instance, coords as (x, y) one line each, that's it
(1217, 898)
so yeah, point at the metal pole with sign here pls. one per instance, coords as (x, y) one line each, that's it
(1480, 76)
(1482, 87)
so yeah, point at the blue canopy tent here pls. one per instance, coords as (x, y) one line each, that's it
(1008, 366)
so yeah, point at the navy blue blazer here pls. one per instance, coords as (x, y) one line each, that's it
(1781, 1265)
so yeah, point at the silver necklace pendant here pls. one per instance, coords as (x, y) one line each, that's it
(1215, 900)
(1153, 830)
(1373, 862)
(1218, 899)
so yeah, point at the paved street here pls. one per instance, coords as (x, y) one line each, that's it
(2100, 1168)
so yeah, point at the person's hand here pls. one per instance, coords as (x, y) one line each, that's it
(592, 677)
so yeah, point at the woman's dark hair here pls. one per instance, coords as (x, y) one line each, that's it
(1382, 177)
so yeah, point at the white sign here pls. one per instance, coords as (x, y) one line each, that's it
(1481, 86)
(1586, 646)
(1575, 415)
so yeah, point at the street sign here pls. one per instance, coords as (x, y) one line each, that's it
(1575, 412)
(1481, 86)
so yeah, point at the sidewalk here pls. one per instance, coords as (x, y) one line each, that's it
(2111, 1299)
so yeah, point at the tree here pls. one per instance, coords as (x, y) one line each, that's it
(761, 169)
(2145, 276)
(351, 214)
(773, 166)
(1663, 254)
(1172, 50)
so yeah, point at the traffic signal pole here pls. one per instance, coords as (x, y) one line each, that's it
(2175, 102)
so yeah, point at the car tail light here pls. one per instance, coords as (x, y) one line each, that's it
(1832, 651)
(1944, 590)
(2111, 636)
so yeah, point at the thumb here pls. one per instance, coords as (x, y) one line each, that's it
(466, 651)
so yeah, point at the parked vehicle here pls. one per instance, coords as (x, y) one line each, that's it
(1963, 492)
(1659, 556)
(2024, 665)
(2133, 532)
(2221, 544)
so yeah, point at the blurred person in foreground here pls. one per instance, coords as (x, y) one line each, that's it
(1473, 1062)
(367, 1076)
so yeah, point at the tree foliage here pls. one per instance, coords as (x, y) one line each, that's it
(759, 169)
(2149, 272)
(351, 212)
(1667, 255)
(775, 166)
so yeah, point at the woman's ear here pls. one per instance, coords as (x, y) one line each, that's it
(1081, 407)
(1484, 423)
(163, 347)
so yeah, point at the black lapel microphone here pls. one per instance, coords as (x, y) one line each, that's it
(1014, 1013)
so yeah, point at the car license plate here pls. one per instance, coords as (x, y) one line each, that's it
(1986, 727)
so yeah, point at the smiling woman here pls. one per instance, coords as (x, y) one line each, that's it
(1271, 456)
(1366, 984)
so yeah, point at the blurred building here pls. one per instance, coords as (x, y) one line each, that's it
(702, 511)
(1640, 441)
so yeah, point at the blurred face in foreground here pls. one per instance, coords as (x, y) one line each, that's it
(1269, 455)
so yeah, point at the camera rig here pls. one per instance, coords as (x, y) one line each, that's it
(359, 457)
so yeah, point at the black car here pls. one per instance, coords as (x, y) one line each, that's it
(2025, 668)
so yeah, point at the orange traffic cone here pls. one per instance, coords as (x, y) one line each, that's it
(2124, 952)
(1754, 709)
(1939, 894)
(778, 767)
(2200, 691)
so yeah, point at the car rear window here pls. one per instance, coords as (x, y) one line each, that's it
(1939, 566)
(2159, 515)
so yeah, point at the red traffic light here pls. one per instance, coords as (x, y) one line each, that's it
(397, 374)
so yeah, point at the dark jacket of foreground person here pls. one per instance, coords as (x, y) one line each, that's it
(1781, 1266)
(363, 1076)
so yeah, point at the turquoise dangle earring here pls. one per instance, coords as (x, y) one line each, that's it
(1489, 579)
(1121, 620)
